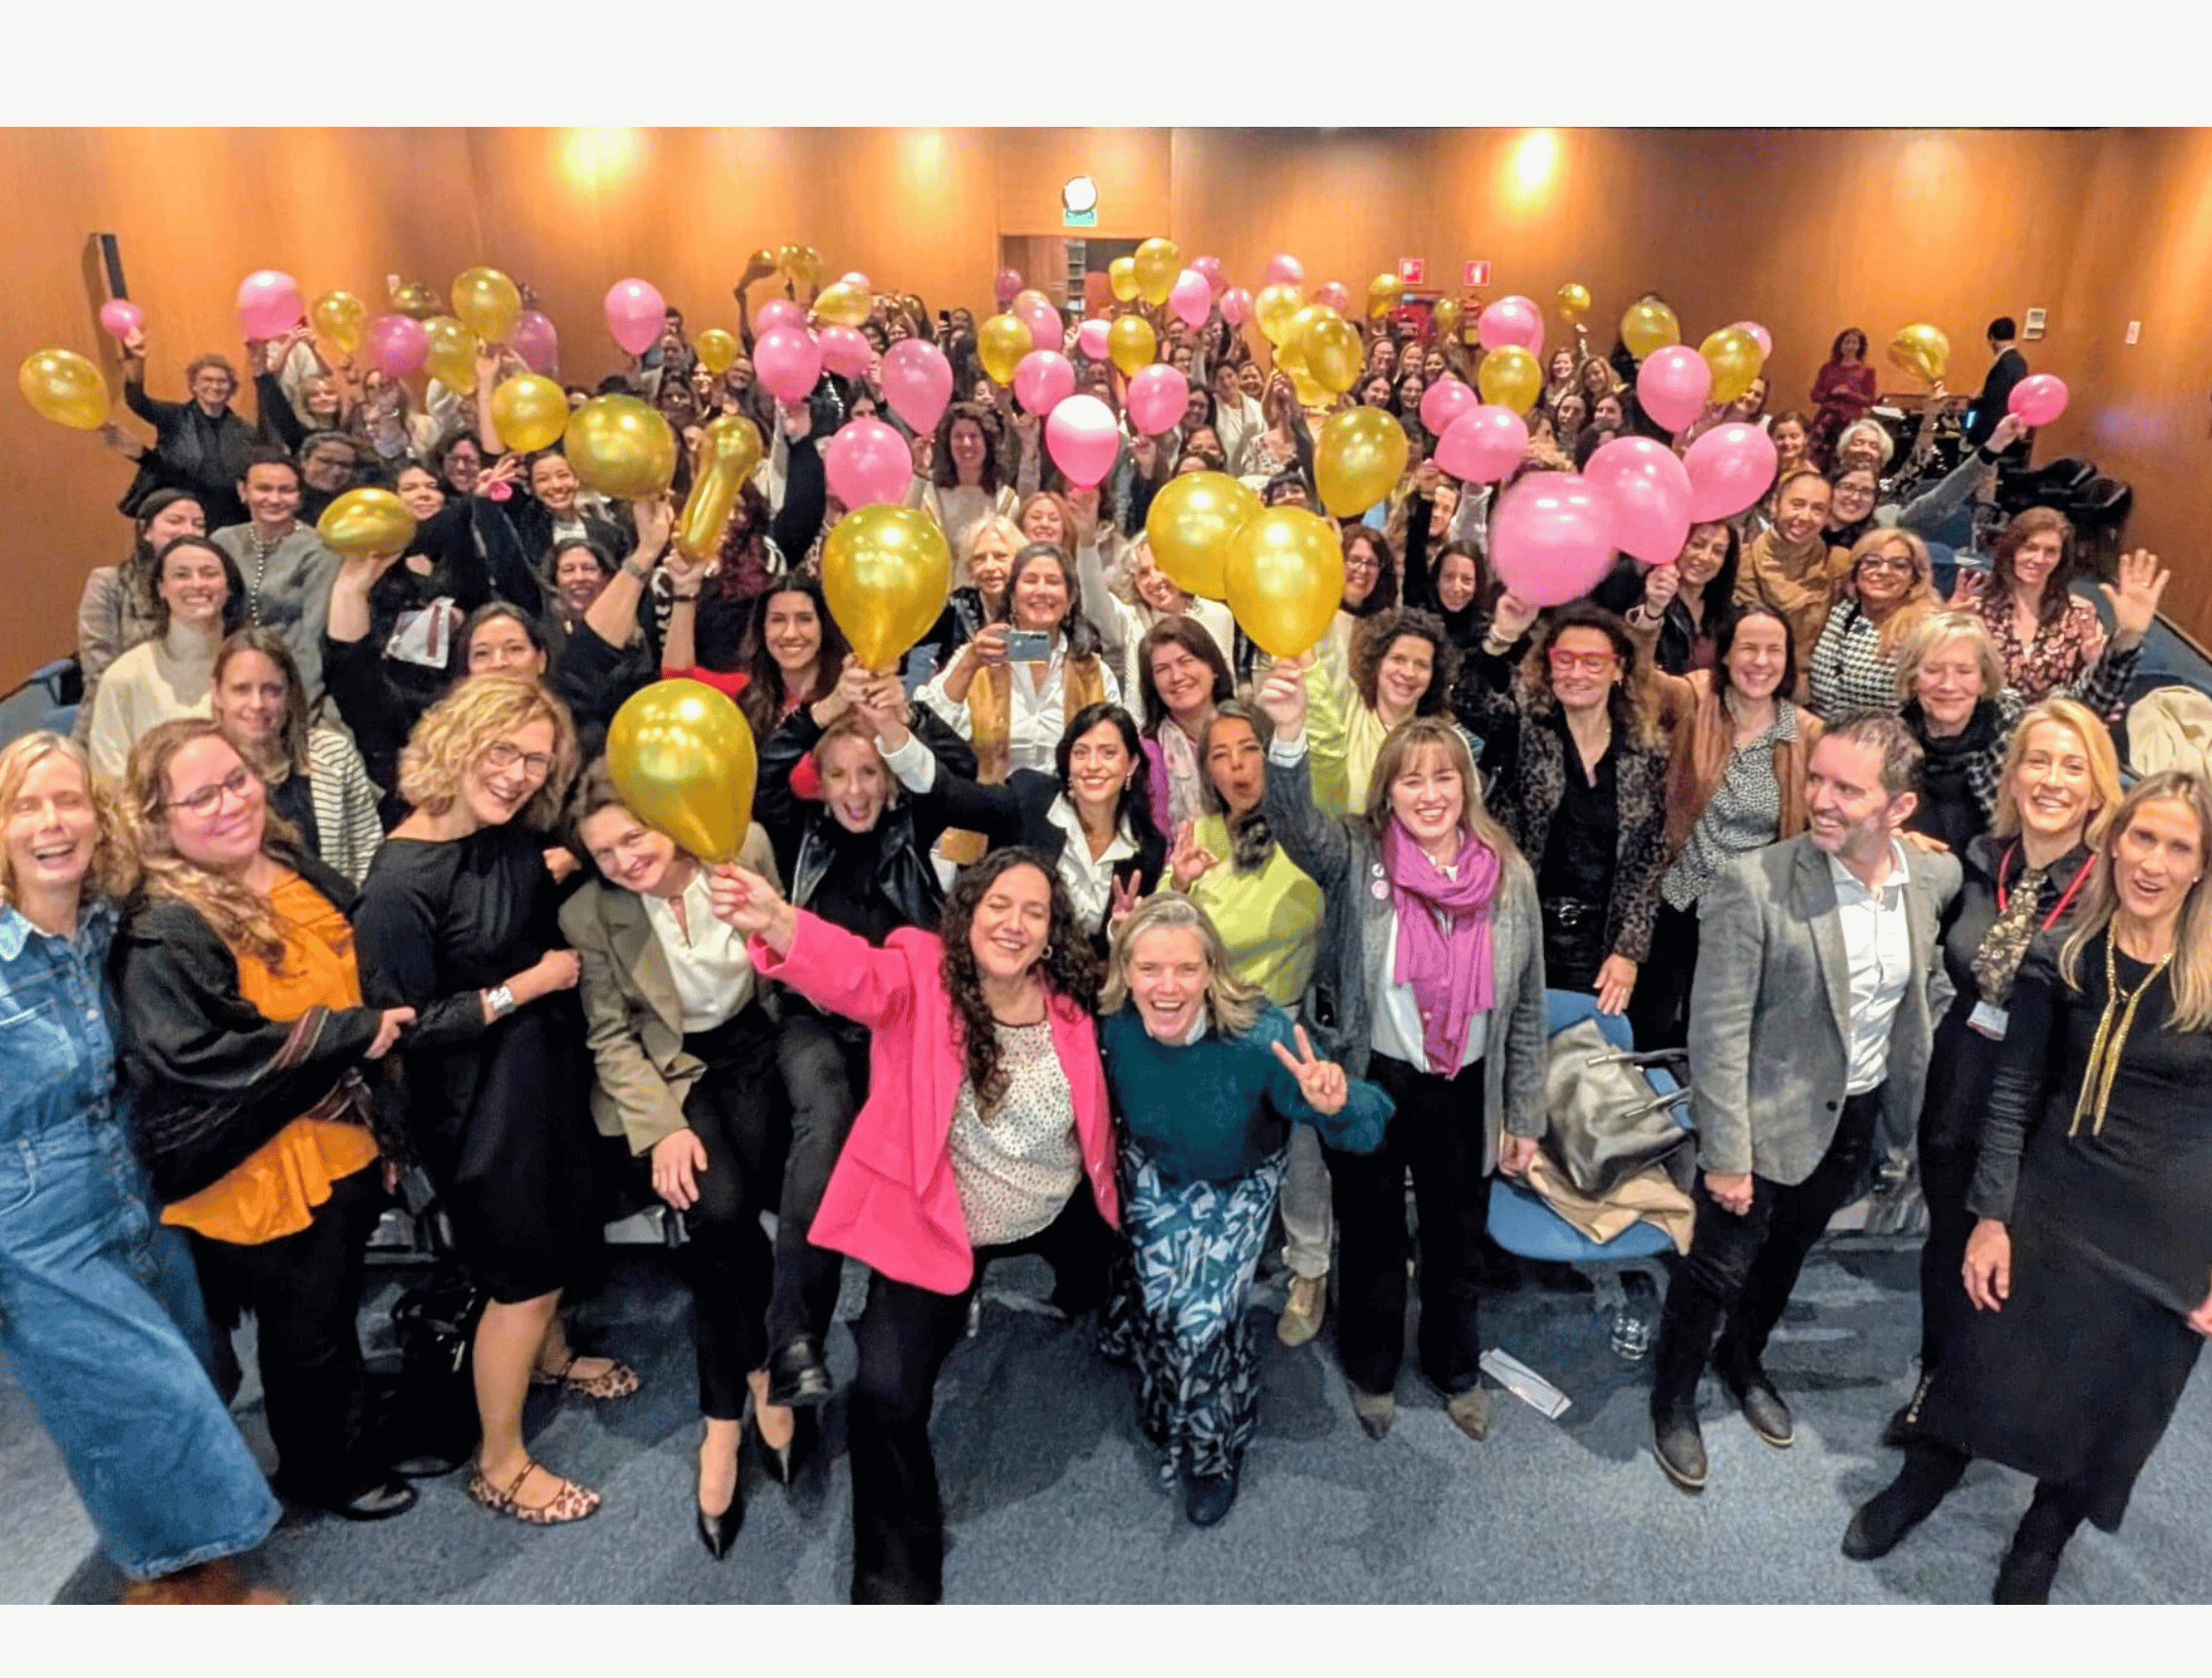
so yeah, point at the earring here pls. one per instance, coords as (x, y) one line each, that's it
(1047, 955)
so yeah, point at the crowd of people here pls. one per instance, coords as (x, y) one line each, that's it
(1091, 932)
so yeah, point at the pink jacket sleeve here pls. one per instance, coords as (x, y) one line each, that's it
(833, 969)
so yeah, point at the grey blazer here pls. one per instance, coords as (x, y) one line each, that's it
(1344, 858)
(1769, 1027)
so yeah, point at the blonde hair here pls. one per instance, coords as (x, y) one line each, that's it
(2096, 745)
(466, 723)
(2192, 966)
(109, 873)
(1232, 1004)
(1919, 602)
(1432, 734)
(1935, 630)
(240, 917)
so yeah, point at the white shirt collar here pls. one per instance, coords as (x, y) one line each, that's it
(1893, 883)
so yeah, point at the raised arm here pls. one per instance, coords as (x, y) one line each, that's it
(1321, 845)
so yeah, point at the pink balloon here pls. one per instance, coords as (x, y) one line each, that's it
(2038, 399)
(395, 346)
(1552, 538)
(1047, 330)
(1083, 439)
(120, 317)
(845, 353)
(1095, 339)
(1191, 297)
(779, 312)
(788, 363)
(1483, 444)
(916, 383)
(1673, 385)
(536, 341)
(1210, 267)
(1286, 270)
(270, 305)
(1766, 338)
(1043, 379)
(1236, 306)
(636, 315)
(1006, 286)
(855, 278)
(1336, 294)
(1443, 402)
(1512, 320)
(1157, 398)
(1650, 491)
(868, 462)
(1729, 466)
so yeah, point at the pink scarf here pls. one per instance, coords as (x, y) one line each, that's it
(1443, 938)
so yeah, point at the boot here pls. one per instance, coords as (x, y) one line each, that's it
(2038, 1543)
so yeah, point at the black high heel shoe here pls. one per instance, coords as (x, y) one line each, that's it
(719, 1532)
(784, 1465)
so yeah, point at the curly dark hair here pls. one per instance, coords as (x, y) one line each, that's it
(1069, 966)
(1372, 643)
(1628, 704)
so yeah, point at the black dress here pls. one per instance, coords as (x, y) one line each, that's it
(499, 1113)
(2075, 1380)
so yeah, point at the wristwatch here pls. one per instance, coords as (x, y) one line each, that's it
(503, 1001)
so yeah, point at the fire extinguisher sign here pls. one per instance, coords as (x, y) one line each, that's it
(1412, 271)
(1477, 275)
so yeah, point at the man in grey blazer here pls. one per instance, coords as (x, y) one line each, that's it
(1810, 1022)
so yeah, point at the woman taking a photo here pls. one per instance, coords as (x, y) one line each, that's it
(313, 777)
(118, 611)
(198, 598)
(245, 1041)
(100, 1318)
(458, 921)
(1891, 592)
(1437, 967)
(1207, 1077)
(987, 1135)
(2091, 1261)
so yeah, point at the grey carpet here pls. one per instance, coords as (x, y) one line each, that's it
(1053, 1496)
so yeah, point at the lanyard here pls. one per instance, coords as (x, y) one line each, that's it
(2080, 874)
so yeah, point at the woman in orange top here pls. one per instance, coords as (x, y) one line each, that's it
(244, 1047)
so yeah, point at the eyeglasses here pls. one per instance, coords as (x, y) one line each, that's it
(1362, 562)
(1594, 663)
(209, 799)
(501, 754)
(1886, 562)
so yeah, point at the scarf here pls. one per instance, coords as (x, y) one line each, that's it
(1186, 801)
(1443, 938)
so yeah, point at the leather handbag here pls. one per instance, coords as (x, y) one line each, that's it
(1608, 1122)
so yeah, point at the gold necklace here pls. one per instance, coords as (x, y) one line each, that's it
(2110, 1042)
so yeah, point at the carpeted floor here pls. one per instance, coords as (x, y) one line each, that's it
(1053, 1496)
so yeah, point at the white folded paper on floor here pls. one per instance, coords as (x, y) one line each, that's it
(1526, 1384)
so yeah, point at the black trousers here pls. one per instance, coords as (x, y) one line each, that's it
(304, 1290)
(1740, 1271)
(1947, 1175)
(1658, 1009)
(737, 1111)
(824, 1066)
(1437, 1132)
(905, 1333)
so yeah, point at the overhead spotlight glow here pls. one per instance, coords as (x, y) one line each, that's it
(599, 156)
(1534, 162)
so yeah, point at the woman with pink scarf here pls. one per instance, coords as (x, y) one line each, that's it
(1431, 986)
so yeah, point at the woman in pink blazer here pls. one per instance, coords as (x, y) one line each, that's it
(986, 1115)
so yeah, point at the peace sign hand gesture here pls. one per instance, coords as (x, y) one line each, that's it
(1126, 898)
(1322, 1082)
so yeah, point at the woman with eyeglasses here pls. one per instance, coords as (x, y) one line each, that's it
(201, 446)
(457, 921)
(1892, 591)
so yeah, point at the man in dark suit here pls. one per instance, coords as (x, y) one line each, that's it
(1811, 1019)
(2008, 368)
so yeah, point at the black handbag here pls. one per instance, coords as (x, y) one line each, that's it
(431, 1427)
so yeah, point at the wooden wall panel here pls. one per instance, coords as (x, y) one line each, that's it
(1131, 167)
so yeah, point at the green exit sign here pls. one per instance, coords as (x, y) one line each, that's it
(1078, 217)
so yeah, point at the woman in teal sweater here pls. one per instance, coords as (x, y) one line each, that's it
(1207, 1076)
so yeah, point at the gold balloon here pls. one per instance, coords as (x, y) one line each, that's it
(886, 573)
(717, 351)
(1285, 578)
(764, 257)
(1131, 343)
(340, 317)
(529, 411)
(1649, 326)
(1358, 459)
(802, 264)
(1120, 276)
(727, 452)
(1193, 520)
(1920, 348)
(1383, 294)
(416, 300)
(366, 521)
(842, 304)
(1000, 342)
(682, 759)
(1333, 353)
(1275, 308)
(452, 354)
(1312, 395)
(1511, 378)
(1574, 302)
(65, 388)
(1735, 359)
(488, 304)
(1450, 312)
(621, 448)
(1156, 263)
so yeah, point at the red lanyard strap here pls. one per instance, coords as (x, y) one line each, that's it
(2080, 874)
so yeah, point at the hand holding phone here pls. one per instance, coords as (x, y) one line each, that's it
(1029, 646)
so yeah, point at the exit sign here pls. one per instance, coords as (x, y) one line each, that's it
(1412, 271)
(1477, 275)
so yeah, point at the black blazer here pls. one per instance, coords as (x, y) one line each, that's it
(2008, 370)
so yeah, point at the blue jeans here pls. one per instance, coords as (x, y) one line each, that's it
(93, 1295)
